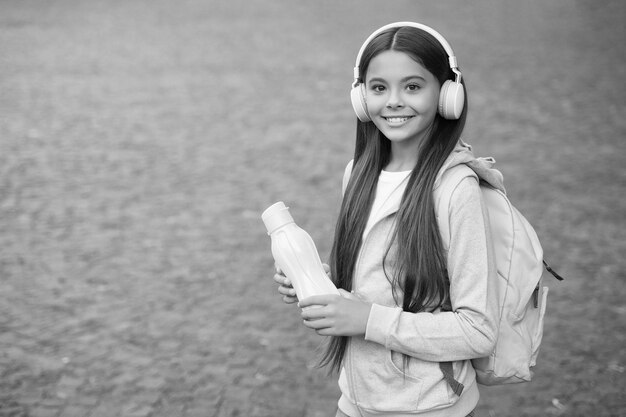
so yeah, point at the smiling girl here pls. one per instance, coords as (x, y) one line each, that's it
(411, 315)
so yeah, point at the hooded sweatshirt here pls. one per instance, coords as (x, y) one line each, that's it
(374, 380)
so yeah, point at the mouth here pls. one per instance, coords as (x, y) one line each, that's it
(397, 120)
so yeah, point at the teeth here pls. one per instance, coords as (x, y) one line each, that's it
(397, 119)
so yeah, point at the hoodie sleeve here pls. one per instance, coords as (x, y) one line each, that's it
(469, 330)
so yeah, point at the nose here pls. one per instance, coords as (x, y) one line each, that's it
(394, 100)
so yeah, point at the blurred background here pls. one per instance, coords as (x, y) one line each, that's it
(140, 141)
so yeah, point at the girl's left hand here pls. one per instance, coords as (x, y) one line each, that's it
(333, 315)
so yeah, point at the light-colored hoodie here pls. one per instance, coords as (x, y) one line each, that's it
(373, 380)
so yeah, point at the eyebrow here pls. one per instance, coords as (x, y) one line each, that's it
(405, 79)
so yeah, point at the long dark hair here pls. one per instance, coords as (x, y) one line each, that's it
(419, 270)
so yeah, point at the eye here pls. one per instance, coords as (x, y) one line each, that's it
(413, 87)
(377, 88)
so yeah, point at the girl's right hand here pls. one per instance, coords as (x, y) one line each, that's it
(285, 287)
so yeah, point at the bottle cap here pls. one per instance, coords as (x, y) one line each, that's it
(275, 216)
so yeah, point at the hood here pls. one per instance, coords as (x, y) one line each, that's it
(483, 167)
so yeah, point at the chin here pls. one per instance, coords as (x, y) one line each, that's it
(397, 136)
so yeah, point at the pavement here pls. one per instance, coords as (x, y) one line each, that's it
(139, 143)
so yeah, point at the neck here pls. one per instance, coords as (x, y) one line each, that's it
(404, 154)
(402, 157)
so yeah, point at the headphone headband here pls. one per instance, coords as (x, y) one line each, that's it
(428, 29)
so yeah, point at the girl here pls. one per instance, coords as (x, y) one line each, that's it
(412, 314)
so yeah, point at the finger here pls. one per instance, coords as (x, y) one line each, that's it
(315, 312)
(348, 295)
(278, 278)
(317, 300)
(327, 270)
(289, 291)
(278, 270)
(290, 300)
(329, 331)
(282, 280)
(318, 324)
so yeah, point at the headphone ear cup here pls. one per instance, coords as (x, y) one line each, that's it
(358, 103)
(451, 100)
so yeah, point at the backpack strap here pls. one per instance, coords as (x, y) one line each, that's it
(450, 179)
(443, 194)
(448, 375)
(552, 271)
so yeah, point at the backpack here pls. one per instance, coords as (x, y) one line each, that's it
(522, 295)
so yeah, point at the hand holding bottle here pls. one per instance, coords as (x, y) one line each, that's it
(285, 287)
(332, 315)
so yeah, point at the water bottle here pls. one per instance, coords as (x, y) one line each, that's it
(295, 253)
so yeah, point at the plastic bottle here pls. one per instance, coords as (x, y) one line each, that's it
(295, 253)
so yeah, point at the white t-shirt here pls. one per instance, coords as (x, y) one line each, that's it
(389, 192)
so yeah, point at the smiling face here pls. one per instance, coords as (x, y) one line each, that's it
(402, 98)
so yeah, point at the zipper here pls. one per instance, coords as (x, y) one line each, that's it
(350, 368)
(367, 241)
(536, 297)
(349, 374)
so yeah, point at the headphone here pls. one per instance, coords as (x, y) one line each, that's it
(451, 95)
